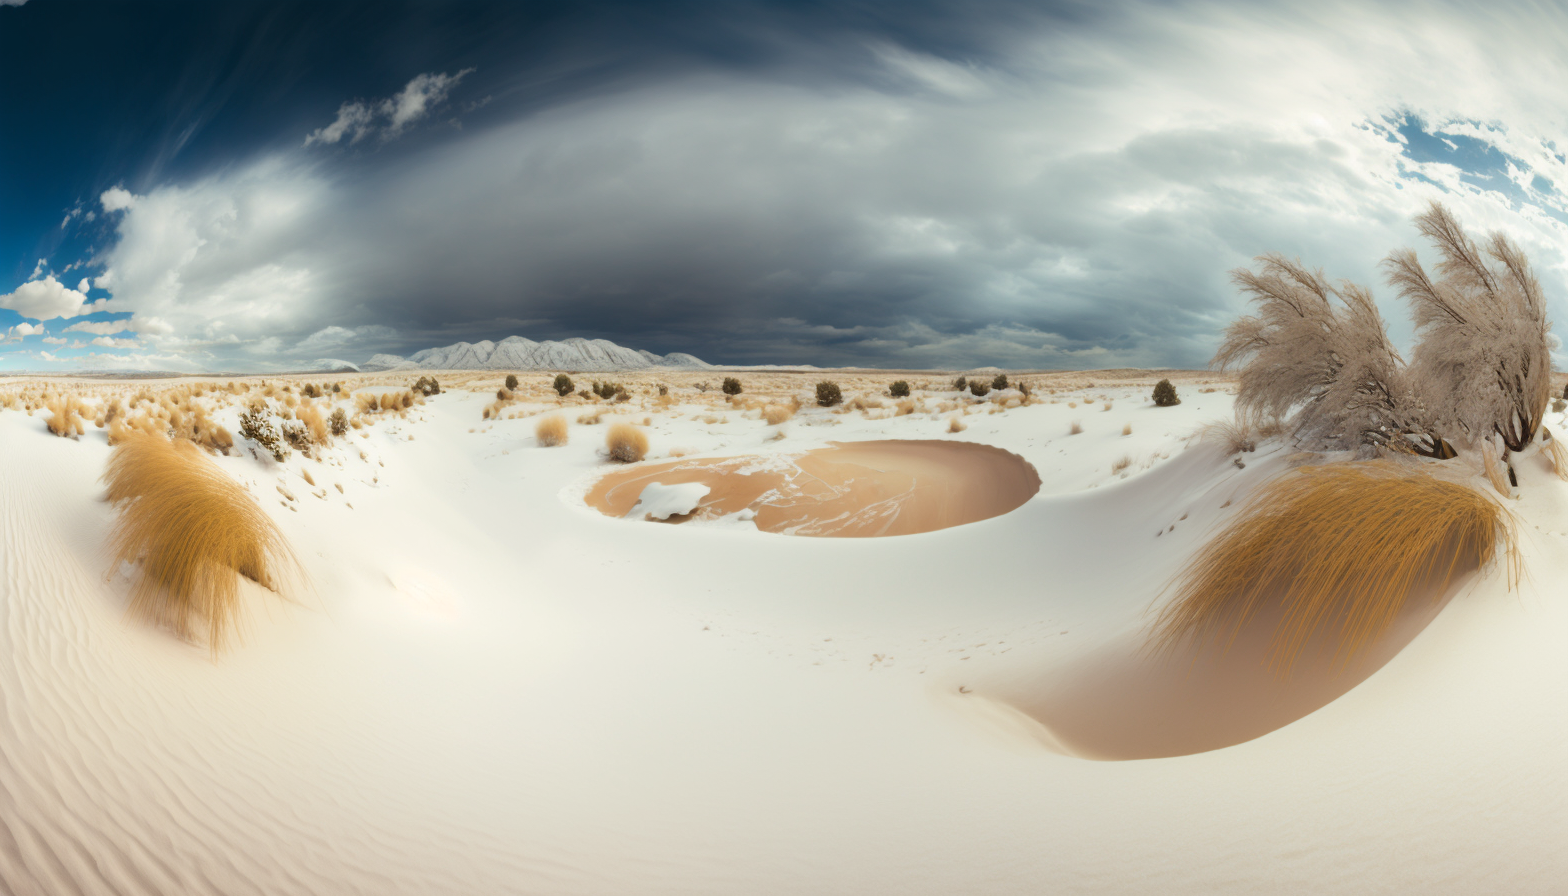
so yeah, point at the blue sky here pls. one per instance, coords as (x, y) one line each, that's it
(252, 186)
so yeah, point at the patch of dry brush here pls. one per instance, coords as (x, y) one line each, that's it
(195, 531)
(551, 431)
(626, 443)
(1338, 550)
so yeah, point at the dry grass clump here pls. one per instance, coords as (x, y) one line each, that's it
(65, 416)
(1075, 429)
(1495, 470)
(551, 431)
(1235, 436)
(956, 424)
(590, 418)
(195, 531)
(1127, 429)
(1121, 464)
(776, 414)
(627, 443)
(1341, 548)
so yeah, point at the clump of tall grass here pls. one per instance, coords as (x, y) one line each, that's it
(775, 414)
(550, 431)
(65, 416)
(195, 531)
(1338, 550)
(627, 443)
(1235, 436)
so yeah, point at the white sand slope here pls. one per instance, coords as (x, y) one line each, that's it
(492, 688)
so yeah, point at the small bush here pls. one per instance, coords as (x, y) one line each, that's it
(311, 390)
(1165, 395)
(551, 431)
(256, 425)
(627, 443)
(663, 389)
(511, 382)
(1127, 430)
(1075, 429)
(1000, 382)
(829, 394)
(297, 435)
(776, 414)
(899, 389)
(978, 388)
(563, 385)
(427, 386)
(195, 531)
(1559, 405)
(704, 386)
(1121, 464)
(503, 395)
(731, 386)
(956, 424)
(338, 423)
(960, 384)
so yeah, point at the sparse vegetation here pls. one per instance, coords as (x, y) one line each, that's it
(1301, 547)
(979, 388)
(960, 384)
(1000, 382)
(731, 386)
(338, 422)
(626, 443)
(563, 385)
(956, 424)
(256, 425)
(511, 382)
(1075, 428)
(550, 431)
(427, 385)
(899, 389)
(194, 530)
(1165, 395)
(829, 394)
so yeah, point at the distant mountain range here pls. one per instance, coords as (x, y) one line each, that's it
(518, 353)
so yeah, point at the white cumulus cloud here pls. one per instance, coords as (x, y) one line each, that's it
(44, 299)
(117, 199)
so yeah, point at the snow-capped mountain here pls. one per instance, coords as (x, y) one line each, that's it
(518, 353)
(329, 365)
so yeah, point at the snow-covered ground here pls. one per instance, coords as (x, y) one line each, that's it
(489, 687)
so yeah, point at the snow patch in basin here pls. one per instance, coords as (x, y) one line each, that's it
(659, 501)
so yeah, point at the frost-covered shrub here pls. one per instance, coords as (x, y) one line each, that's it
(1165, 395)
(899, 389)
(979, 388)
(563, 385)
(1000, 382)
(829, 394)
(427, 386)
(256, 425)
(297, 435)
(338, 422)
(731, 386)
(960, 384)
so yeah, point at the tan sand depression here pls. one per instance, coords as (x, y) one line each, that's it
(850, 490)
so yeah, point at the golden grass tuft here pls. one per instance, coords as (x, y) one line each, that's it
(65, 416)
(1556, 454)
(956, 424)
(1121, 464)
(627, 443)
(1341, 548)
(776, 414)
(1127, 430)
(1496, 472)
(195, 530)
(550, 431)
(1075, 429)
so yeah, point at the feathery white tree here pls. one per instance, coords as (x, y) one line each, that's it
(1482, 363)
(1331, 360)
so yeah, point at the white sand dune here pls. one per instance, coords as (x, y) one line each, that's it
(491, 687)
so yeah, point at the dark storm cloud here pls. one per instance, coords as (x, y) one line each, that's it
(911, 185)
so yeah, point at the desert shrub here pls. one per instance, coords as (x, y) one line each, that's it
(297, 435)
(427, 385)
(65, 416)
(960, 384)
(606, 390)
(627, 443)
(829, 394)
(511, 382)
(1121, 464)
(704, 386)
(776, 414)
(1075, 428)
(338, 422)
(195, 531)
(563, 385)
(899, 389)
(503, 395)
(1342, 548)
(314, 423)
(311, 390)
(256, 425)
(956, 424)
(663, 390)
(1559, 405)
(1165, 395)
(1000, 382)
(1235, 436)
(979, 388)
(731, 386)
(550, 431)
(1127, 429)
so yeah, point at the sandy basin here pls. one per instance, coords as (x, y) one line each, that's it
(850, 490)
